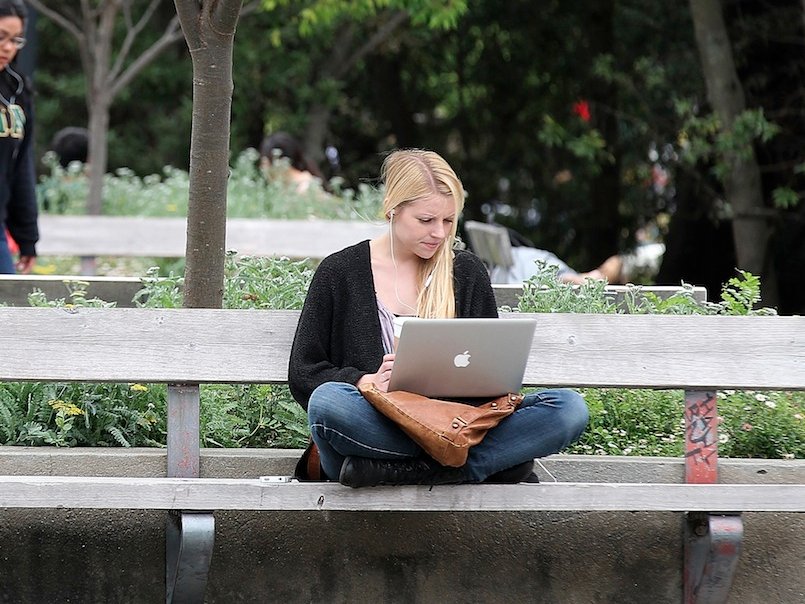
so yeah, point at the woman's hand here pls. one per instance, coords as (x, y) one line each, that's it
(382, 376)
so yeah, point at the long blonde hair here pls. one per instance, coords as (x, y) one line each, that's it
(410, 175)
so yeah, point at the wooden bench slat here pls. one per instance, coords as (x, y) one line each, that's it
(252, 346)
(255, 494)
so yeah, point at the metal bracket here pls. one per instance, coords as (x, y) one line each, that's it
(189, 539)
(713, 544)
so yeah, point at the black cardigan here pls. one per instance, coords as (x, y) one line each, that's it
(18, 209)
(338, 338)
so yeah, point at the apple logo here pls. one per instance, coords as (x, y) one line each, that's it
(463, 359)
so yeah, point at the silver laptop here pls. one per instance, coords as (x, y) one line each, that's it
(460, 358)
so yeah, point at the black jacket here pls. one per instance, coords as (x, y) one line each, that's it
(18, 209)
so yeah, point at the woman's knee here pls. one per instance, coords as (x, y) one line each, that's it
(575, 412)
(571, 409)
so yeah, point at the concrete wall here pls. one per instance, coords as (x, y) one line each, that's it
(118, 556)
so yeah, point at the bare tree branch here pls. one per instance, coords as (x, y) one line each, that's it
(171, 35)
(58, 18)
(132, 31)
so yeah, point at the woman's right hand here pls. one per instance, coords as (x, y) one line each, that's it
(382, 376)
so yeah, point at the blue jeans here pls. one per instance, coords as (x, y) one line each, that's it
(343, 423)
(6, 261)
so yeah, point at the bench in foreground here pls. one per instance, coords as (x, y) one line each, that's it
(185, 347)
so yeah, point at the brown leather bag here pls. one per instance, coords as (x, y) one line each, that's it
(444, 429)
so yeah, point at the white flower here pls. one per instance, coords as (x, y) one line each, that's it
(761, 397)
(771, 404)
(788, 456)
(729, 392)
(722, 438)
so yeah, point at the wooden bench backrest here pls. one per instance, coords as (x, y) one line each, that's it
(252, 346)
(166, 237)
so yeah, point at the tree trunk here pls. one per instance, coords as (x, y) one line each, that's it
(750, 226)
(98, 151)
(209, 27)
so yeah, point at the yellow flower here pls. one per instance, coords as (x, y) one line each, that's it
(68, 408)
(44, 269)
(139, 388)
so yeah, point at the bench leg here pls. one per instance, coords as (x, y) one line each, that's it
(713, 544)
(189, 536)
(189, 540)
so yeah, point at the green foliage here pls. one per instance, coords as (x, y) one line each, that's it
(249, 282)
(762, 424)
(323, 13)
(544, 293)
(705, 138)
(63, 414)
(633, 422)
(785, 198)
(650, 422)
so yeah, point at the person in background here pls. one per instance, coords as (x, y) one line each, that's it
(18, 209)
(617, 269)
(344, 339)
(302, 174)
(71, 144)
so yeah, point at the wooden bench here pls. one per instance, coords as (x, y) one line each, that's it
(14, 289)
(184, 348)
(132, 236)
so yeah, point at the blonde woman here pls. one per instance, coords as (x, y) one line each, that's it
(345, 339)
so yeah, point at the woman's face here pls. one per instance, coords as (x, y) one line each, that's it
(421, 227)
(11, 28)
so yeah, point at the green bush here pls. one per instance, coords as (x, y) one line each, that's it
(134, 414)
(249, 194)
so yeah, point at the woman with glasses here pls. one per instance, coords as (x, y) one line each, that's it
(18, 210)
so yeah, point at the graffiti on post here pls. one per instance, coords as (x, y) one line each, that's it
(701, 436)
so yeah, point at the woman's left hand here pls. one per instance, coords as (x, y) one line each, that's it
(382, 376)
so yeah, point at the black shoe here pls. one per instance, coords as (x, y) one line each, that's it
(523, 472)
(366, 472)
